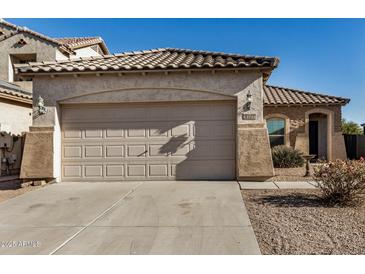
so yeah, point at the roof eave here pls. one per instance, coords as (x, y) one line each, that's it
(16, 98)
(104, 48)
(66, 50)
(307, 104)
(8, 24)
(266, 75)
(31, 73)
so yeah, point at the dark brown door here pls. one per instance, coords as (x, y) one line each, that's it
(313, 138)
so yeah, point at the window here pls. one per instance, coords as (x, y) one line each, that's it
(276, 128)
(19, 59)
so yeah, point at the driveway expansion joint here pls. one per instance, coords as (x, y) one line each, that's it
(95, 219)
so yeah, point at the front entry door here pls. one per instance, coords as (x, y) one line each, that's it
(313, 138)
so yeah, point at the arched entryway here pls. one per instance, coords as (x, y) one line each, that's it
(318, 135)
(319, 131)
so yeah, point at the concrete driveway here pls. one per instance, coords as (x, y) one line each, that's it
(128, 218)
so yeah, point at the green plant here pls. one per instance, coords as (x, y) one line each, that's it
(341, 182)
(349, 127)
(286, 157)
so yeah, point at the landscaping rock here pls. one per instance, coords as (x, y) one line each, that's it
(26, 184)
(294, 222)
(39, 183)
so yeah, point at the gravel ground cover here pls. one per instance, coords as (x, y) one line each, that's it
(291, 174)
(298, 222)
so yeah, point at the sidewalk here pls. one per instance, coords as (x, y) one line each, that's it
(278, 185)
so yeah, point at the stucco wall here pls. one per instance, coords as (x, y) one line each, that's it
(150, 87)
(85, 52)
(138, 87)
(60, 55)
(45, 51)
(226, 83)
(17, 115)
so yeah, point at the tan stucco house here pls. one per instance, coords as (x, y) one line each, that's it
(20, 45)
(168, 114)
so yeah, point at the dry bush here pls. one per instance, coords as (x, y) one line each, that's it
(341, 182)
(286, 157)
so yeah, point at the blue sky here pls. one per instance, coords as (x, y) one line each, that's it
(322, 55)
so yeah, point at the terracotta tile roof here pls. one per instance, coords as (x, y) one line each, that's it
(80, 42)
(156, 59)
(13, 92)
(77, 42)
(274, 95)
(8, 24)
(65, 44)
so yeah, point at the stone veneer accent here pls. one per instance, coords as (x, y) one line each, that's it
(254, 161)
(37, 159)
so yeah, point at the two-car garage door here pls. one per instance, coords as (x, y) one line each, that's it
(115, 142)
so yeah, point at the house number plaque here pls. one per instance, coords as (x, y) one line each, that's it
(248, 116)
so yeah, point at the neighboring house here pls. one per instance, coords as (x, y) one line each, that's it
(85, 46)
(169, 114)
(20, 45)
(15, 117)
(16, 108)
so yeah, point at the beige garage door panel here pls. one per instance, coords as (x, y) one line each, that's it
(149, 142)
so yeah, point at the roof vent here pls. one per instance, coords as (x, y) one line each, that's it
(22, 42)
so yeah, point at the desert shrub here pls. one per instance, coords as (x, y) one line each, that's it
(341, 182)
(286, 157)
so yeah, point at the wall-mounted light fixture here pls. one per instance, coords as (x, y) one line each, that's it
(41, 108)
(249, 100)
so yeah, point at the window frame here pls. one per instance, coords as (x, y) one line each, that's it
(284, 135)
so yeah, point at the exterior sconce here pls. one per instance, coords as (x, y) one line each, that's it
(249, 100)
(41, 108)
